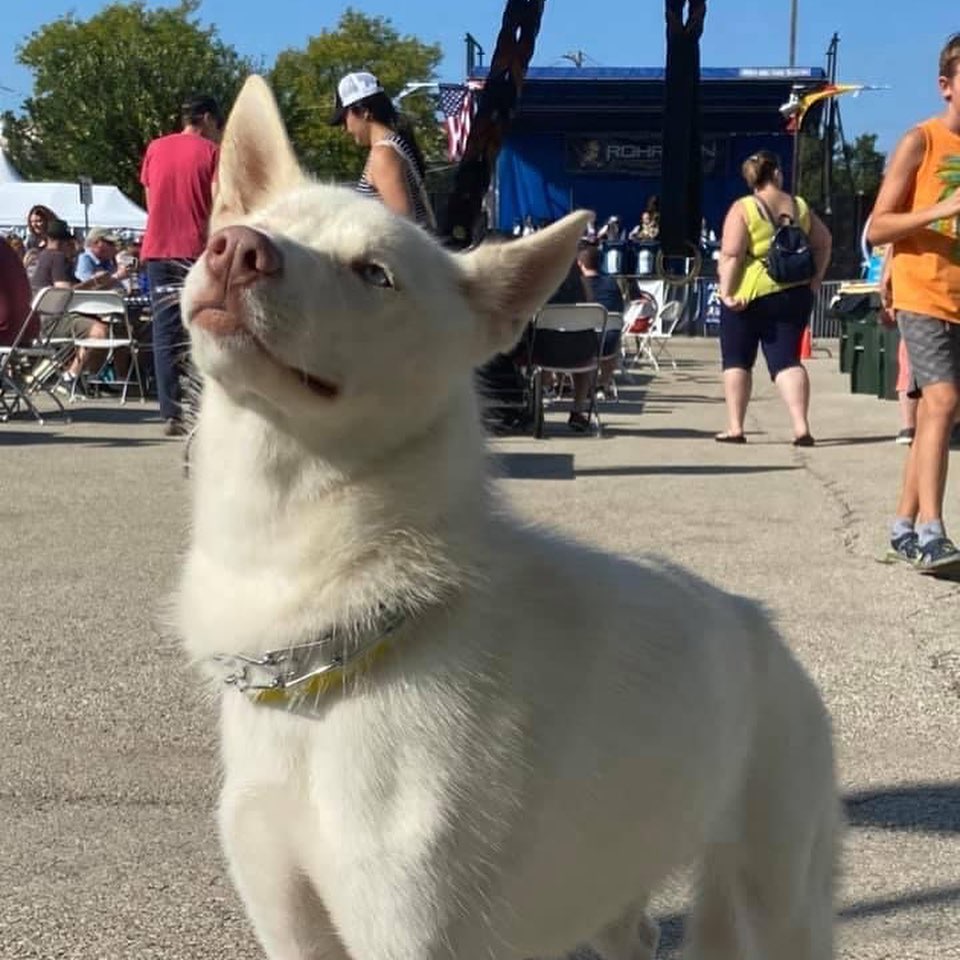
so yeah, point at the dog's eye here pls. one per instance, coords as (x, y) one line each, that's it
(373, 274)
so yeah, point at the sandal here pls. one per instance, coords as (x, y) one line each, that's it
(730, 438)
(805, 441)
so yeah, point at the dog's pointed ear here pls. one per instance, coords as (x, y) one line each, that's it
(256, 159)
(506, 283)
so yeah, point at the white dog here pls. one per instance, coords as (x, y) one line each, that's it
(445, 734)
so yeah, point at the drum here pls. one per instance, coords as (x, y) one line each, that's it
(645, 261)
(613, 258)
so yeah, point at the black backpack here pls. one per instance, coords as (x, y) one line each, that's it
(790, 259)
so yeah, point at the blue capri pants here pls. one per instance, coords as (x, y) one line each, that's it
(774, 323)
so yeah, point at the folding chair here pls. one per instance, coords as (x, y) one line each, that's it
(611, 348)
(655, 342)
(110, 307)
(29, 368)
(567, 339)
(637, 319)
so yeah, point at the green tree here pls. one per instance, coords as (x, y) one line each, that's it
(305, 85)
(857, 174)
(810, 158)
(857, 167)
(104, 87)
(865, 163)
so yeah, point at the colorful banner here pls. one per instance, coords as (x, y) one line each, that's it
(796, 109)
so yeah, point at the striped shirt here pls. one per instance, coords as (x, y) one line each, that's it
(419, 202)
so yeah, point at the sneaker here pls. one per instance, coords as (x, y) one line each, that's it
(579, 422)
(174, 428)
(938, 557)
(906, 547)
(65, 384)
(905, 436)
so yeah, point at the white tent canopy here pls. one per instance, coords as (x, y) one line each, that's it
(110, 208)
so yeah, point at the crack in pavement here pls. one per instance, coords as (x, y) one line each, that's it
(847, 528)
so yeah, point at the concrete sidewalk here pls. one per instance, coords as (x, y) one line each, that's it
(109, 771)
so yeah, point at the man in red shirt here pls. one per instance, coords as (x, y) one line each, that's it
(177, 176)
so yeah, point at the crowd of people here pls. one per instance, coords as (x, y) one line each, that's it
(177, 174)
(53, 255)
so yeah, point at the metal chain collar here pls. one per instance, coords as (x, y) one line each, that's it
(292, 667)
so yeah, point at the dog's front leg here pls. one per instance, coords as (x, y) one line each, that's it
(288, 916)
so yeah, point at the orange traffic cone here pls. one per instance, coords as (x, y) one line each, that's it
(806, 344)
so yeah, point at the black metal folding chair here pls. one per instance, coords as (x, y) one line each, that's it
(31, 366)
(568, 339)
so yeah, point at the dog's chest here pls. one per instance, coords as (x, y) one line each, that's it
(379, 774)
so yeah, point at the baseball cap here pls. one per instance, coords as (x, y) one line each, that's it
(102, 233)
(351, 89)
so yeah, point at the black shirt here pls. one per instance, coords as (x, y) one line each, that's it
(604, 290)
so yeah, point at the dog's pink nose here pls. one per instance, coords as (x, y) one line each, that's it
(240, 256)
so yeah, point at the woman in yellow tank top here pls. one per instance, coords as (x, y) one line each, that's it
(757, 312)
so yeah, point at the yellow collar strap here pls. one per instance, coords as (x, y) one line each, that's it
(277, 677)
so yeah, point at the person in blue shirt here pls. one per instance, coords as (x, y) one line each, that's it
(96, 267)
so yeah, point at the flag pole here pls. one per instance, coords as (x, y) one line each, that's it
(793, 33)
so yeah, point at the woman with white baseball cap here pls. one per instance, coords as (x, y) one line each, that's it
(395, 168)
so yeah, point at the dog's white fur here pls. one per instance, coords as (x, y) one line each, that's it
(553, 729)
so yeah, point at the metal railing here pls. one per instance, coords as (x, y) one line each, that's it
(695, 298)
(822, 325)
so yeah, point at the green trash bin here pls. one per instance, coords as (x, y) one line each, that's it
(866, 369)
(890, 337)
(851, 309)
(850, 337)
(873, 357)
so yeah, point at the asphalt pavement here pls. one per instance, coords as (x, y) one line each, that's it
(108, 762)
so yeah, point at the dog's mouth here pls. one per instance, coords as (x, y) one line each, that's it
(222, 323)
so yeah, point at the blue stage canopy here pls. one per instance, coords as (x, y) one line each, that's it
(590, 137)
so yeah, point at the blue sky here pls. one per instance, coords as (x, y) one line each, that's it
(891, 42)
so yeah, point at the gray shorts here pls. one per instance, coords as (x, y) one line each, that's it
(933, 346)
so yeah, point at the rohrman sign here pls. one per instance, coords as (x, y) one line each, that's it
(639, 155)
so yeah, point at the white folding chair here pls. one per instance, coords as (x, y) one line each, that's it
(27, 368)
(654, 345)
(110, 307)
(567, 339)
(637, 319)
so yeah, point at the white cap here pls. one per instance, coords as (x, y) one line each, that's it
(354, 87)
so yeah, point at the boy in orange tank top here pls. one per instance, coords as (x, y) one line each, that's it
(918, 211)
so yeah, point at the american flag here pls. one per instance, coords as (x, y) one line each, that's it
(456, 104)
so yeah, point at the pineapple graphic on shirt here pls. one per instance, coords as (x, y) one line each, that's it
(949, 174)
